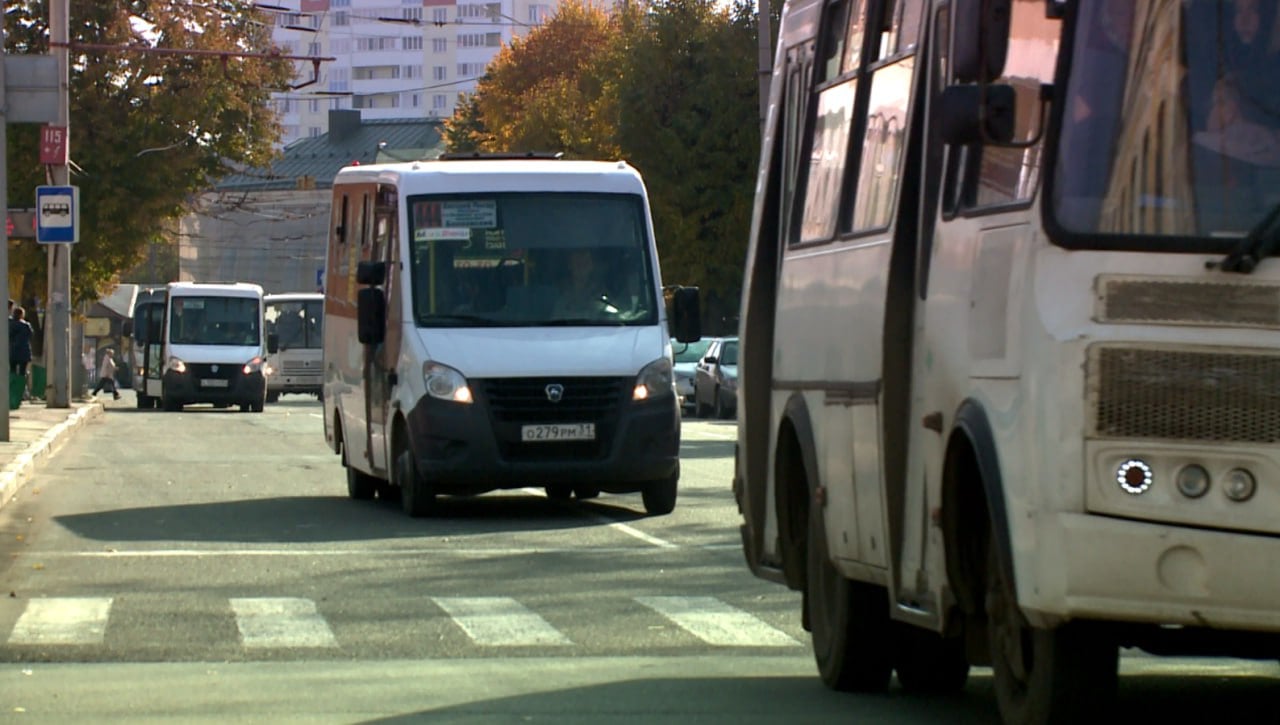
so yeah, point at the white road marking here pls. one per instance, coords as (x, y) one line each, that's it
(281, 622)
(62, 621)
(500, 622)
(619, 526)
(718, 623)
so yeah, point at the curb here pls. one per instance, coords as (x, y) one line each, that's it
(18, 471)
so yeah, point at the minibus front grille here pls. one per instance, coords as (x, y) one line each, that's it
(538, 400)
(206, 371)
(1180, 394)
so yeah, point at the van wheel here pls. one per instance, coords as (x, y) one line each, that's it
(849, 620)
(144, 403)
(257, 406)
(660, 496)
(244, 407)
(360, 485)
(172, 405)
(1044, 675)
(416, 497)
(273, 397)
(585, 492)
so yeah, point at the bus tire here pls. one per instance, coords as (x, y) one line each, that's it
(273, 397)
(927, 662)
(660, 496)
(257, 406)
(848, 620)
(1058, 675)
(559, 492)
(144, 403)
(416, 497)
(172, 405)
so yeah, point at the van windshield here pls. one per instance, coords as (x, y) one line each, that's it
(531, 259)
(214, 321)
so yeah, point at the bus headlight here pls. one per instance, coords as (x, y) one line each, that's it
(1134, 476)
(1193, 481)
(176, 365)
(655, 379)
(445, 383)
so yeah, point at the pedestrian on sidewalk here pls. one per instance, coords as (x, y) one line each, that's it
(107, 374)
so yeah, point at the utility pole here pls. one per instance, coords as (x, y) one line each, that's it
(4, 206)
(57, 336)
(764, 33)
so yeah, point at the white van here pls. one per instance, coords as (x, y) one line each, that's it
(463, 355)
(212, 349)
(294, 321)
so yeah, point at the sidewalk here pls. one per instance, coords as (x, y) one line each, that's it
(36, 432)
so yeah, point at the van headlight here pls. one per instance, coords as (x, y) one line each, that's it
(445, 383)
(655, 379)
(256, 365)
(176, 365)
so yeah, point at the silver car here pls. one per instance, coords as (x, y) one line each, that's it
(687, 357)
(715, 380)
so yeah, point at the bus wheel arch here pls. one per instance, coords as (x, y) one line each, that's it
(416, 497)
(795, 471)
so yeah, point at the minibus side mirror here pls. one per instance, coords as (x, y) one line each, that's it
(371, 316)
(273, 343)
(126, 328)
(371, 272)
(686, 314)
(979, 39)
(974, 114)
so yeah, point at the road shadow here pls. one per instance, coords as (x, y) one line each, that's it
(320, 519)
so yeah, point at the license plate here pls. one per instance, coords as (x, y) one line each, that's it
(214, 383)
(558, 432)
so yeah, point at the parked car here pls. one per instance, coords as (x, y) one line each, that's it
(687, 357)
(715, 381)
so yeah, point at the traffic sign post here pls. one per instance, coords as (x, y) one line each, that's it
(57, 214)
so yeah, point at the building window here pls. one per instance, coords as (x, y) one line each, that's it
(313, 105)
(340, 45)
(411, 13)
(439, 15)
(413, 71)
(415, 100)
(313, 131)
(439, 45)
(411, 42)
(340, 3)
(341, 18)
(313, 48)
(470, 70)
(538, 14)
(438, 73)
(439, 101)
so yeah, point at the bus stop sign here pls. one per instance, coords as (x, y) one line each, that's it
(57, 214)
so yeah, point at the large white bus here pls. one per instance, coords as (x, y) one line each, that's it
(211, 348)
(1010, 340)
(296, 319)
(497, 323)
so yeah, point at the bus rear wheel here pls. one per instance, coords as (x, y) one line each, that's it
(849, 620)
(1057, 675)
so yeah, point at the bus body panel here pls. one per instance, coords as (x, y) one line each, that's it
(297, 321)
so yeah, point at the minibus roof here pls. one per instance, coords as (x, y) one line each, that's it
(224, 289)
(509, 175)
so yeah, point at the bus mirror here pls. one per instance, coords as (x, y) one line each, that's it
(686, 314)
(371, 272)
(273, 343)
(371, 314)
(972, 114)
(980, 39)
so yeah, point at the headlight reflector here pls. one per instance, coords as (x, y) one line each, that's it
(1239, 485)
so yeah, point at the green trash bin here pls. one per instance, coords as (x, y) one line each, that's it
(17, 385)
(37, 381)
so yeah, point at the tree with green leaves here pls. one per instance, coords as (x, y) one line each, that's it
(671, 87)
(148, 130)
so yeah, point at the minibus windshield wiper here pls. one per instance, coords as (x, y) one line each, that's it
(582, 322)
(453, 320)
(1258, 244)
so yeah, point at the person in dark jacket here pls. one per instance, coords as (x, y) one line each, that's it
(19, 342)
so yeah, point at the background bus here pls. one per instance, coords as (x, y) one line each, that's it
(296, 319)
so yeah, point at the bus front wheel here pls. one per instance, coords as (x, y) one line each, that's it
(1044, 675)
(849, 620)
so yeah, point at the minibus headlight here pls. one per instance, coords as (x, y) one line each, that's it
(1239, 485)
(445, 383)
(655, 379)
(175, 365)
(256, 365)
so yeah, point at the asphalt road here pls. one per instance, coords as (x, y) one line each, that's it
(207, 566)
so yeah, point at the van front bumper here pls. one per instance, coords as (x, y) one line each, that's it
(199, 385)
(472, 448)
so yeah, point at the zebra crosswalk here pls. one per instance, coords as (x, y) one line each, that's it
(282, 623)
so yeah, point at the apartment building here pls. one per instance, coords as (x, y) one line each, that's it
(392, 58)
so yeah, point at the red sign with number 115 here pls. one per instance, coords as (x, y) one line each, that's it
(53, 145)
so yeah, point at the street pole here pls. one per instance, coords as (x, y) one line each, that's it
(764, 35)
(57, 352)
(4, 251)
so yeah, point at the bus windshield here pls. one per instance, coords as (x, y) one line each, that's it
(530, 259)
(296, 323)
(1171, 125)
(214, 321)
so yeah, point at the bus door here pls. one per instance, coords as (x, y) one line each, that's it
(380, 360)
(148, 328)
